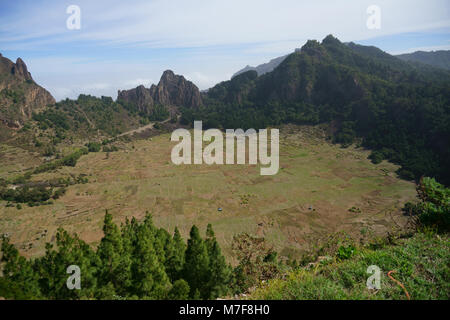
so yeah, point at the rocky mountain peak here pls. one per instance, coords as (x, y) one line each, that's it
(330, 39)
(168, 75)
(172, 90)
(20, 96)
(20, 69)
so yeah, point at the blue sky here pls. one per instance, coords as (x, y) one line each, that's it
(122, 44)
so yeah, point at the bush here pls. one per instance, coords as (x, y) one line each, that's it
(110, 149)
(376, 157)
(434, 208)
(26, 194)
(257, 262)
(58, 193)
(93, 146)
(345, 252)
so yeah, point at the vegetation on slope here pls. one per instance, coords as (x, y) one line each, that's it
(87, 114)
(140, 261)
(421, 262)
(440, 58)
(134, 261)
(401, 111)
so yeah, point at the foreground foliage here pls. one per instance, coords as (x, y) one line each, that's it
(421, 264)
(433, 210)
(135, 261)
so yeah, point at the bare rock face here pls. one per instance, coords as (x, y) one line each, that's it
(176, 90)
(20, 70)
(172, 90)
(140, 96)
(20, 96)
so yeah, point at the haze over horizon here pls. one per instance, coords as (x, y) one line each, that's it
(122, 45)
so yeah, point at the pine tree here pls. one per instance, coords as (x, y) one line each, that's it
(116, 263)
(19, 273)
(149, 277)
(180, 290)
(52, 268)
(175, 256)
(220, 272)
(162, 244)
(129, 239)
(196, 268)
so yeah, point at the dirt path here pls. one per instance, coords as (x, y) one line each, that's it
(85, 115)
(141, 129)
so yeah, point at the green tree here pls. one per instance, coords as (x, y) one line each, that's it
(149, 277)
(220, 272)
(196, 268)
(52, 268)
(18, 274)
(116, 262)
(175, 256)
(180, 290)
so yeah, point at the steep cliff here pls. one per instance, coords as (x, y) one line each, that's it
(20, 96)
(172, 90)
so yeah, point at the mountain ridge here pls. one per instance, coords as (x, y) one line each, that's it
(399, 109)
(172, 90)
(424, 57)
(20, 95)
(439, 58)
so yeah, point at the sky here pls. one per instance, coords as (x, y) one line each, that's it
(122, 44)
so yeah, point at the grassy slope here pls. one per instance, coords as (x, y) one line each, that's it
(141, 177)
(422, 264)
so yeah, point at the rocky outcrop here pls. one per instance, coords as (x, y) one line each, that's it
(20, 70)
(20, 96)
(172, 90)
(140, 97)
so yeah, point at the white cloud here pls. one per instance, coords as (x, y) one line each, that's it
(221, 36)
(179, 23)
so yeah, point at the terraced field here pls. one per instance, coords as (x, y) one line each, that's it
(319, 189)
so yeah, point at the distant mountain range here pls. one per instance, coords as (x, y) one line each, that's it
(439, 59)
(399, 109)
(263, 68)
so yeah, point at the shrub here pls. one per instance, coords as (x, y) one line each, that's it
(93, 146)
(376, 157)
(345, 252)
(434, 207)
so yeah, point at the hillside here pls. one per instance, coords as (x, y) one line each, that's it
(20, 96)
(311, 196)
(342, 110)
(421, 264)
(439, 59)
(400, 111)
